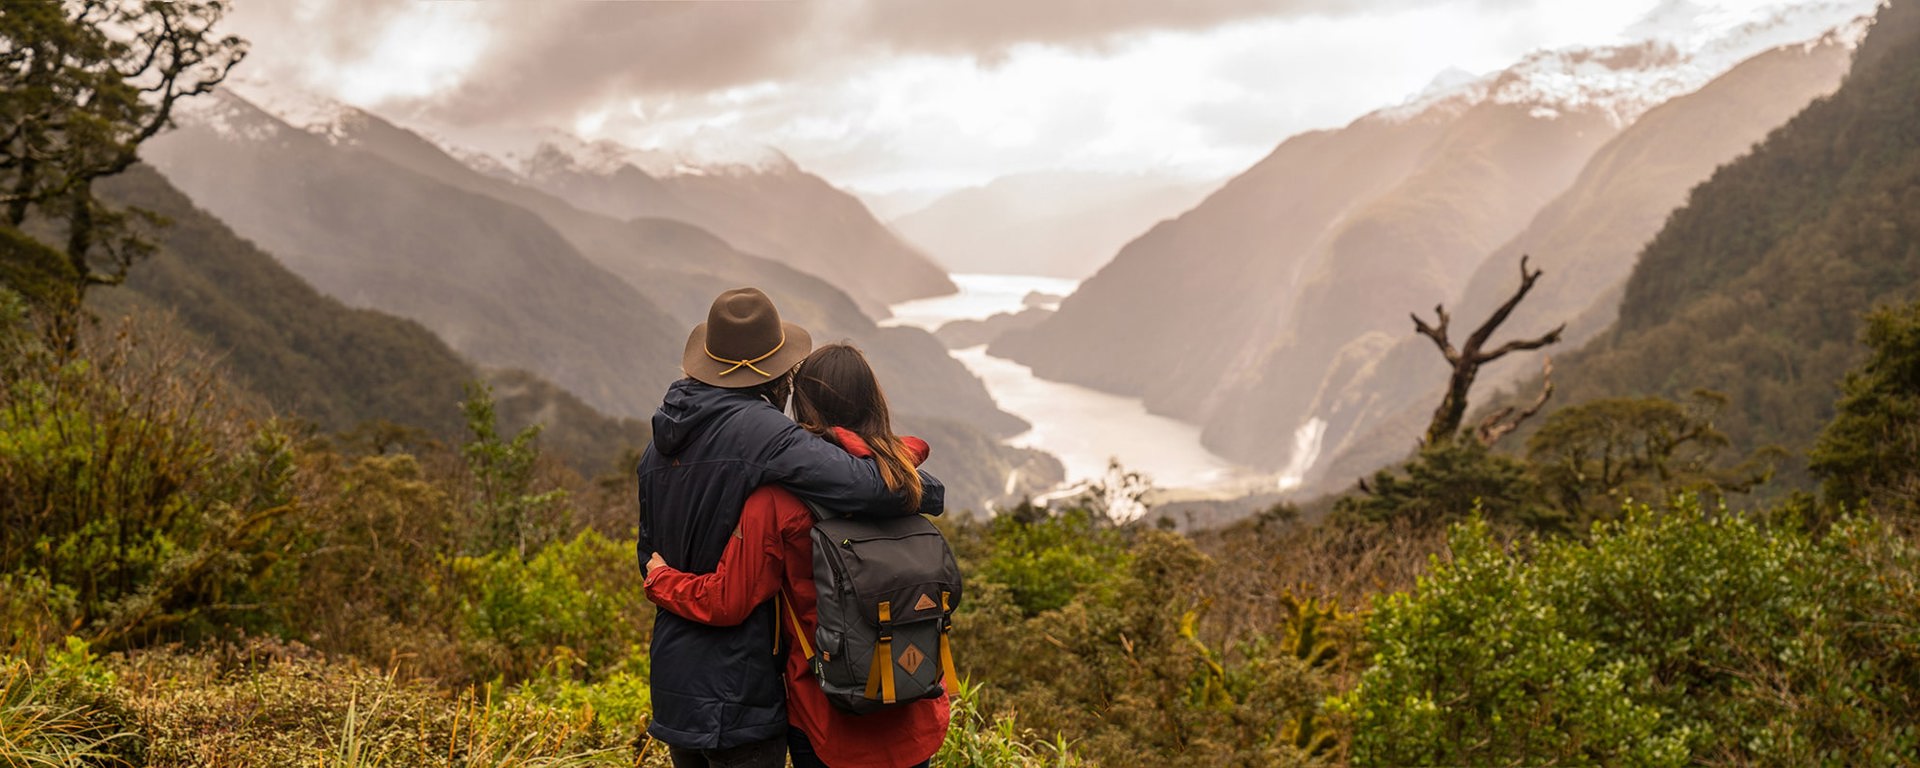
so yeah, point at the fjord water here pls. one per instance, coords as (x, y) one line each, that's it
(1085, 428)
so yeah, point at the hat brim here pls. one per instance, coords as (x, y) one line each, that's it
(703, 368)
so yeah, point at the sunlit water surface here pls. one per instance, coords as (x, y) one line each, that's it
(1087, 429)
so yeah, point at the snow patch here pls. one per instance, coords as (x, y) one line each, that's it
(228, 116)
(1451, 92)
(508, 153)
(1676, 50)
(558, 150)
(303, 110)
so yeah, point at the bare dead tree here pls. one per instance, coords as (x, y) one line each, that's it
(1466, 362)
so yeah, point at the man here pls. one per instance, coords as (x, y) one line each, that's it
(717, 691)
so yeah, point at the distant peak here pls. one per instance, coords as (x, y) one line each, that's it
(1675, 50)
(1450, 92)
(303, 110)
(554, 150)
(1450, 79)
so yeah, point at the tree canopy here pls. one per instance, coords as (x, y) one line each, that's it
(1870, 452)
(82, 84)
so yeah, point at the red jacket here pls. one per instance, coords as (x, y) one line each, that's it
(772, 553)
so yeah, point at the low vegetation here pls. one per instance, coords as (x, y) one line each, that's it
(190, 583)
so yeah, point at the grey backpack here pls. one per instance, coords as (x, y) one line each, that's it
(887, 588)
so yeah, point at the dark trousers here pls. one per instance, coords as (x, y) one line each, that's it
(802, 751)
(771, 753)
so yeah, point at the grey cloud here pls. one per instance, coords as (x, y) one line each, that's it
(287, 35)
(551, 58)
(589, 52)
(986, 27)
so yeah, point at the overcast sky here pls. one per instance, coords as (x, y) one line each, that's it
(888, 95)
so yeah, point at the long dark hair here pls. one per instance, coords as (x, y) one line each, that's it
(835, 387)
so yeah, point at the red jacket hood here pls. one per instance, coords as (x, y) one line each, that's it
(857, 446)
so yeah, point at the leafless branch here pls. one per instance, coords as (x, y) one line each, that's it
(1504, 422)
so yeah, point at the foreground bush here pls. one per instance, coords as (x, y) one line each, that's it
(1673, 637)
(579, 601)
(136, 499)
(1128, 663)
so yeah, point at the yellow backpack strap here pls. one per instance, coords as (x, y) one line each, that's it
(793, 620)
(880, 672)
(948, 677)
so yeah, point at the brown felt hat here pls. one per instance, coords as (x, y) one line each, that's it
(743, 343)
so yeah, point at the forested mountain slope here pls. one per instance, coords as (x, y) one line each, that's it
(313, 358)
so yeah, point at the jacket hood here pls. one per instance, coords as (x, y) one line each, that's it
(688, 405)
(853, 443)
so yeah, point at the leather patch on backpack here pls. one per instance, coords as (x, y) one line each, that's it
(911, 659)
(926, 603)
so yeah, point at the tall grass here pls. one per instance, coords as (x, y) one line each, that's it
(39, 726)
(976, 741)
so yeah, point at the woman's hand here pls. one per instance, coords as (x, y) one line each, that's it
(655, 562)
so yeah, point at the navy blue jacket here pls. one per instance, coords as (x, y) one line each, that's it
(720, 687)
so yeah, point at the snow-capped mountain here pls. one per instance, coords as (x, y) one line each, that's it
(291, 109)
(1676, 50)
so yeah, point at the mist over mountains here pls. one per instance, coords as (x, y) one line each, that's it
(515, 277)
(1058, 224)
(313, 359)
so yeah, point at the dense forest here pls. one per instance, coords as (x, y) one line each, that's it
(262, 528)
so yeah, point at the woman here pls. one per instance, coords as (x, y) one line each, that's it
(834, 395)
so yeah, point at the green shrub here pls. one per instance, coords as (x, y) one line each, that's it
(619, 699)
(580, 599)
(1672, 636)
(1474, 668)
(1046, 560)
(1135, 667)
(131, 490)
(372, 557)
(510, 514)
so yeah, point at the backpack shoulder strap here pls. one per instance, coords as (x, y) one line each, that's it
(793, 620)
(816, 510)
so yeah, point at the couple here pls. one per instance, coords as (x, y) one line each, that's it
(723, 532)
